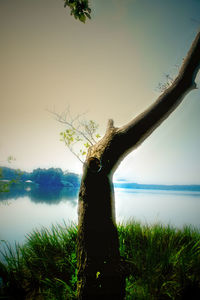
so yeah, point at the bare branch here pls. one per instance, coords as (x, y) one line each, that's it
(74, 153)
(64, 120)
(90, 128)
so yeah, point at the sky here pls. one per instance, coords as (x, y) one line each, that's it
(109, 67)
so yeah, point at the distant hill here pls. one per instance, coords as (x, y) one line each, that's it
(133, 185)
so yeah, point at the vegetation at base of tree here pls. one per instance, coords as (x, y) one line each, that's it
(167, 261)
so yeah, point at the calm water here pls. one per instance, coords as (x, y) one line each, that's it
(24, 212)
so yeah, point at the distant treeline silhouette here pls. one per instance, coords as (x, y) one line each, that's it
(52, 177)
(42, 185)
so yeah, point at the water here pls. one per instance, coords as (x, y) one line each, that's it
(177, 208)
(36, 208)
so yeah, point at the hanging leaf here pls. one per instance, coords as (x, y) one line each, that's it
(82, 18)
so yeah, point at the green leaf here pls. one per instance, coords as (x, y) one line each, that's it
(82, 18)
(87, 145)
(88, 15)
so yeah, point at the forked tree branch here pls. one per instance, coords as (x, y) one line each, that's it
(120, 141)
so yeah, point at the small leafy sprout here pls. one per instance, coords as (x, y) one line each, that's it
(79, 134)
(167, 81)
(164, 86)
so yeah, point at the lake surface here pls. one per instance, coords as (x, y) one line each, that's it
(21, 213)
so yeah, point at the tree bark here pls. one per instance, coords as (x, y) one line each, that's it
(101, 273)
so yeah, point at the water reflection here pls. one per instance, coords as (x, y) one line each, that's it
(41, 194)
(38, 206)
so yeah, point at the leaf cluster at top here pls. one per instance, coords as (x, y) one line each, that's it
(79, 9)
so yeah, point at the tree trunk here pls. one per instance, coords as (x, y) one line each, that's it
(101, 274)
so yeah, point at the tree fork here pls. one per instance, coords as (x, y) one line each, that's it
(101, 274)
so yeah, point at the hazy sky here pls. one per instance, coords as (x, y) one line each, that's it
(109, 67)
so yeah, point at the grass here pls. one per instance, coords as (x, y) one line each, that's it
(168, 261)
(43, 268)
(164, 263)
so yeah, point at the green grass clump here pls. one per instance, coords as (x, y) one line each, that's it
(162, 263)
(43, 268)
(167, 260)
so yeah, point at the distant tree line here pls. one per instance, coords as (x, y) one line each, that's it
(52, 177)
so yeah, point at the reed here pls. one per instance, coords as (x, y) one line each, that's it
(162, 263)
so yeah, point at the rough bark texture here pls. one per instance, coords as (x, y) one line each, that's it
(101, 273)
(98, 247)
